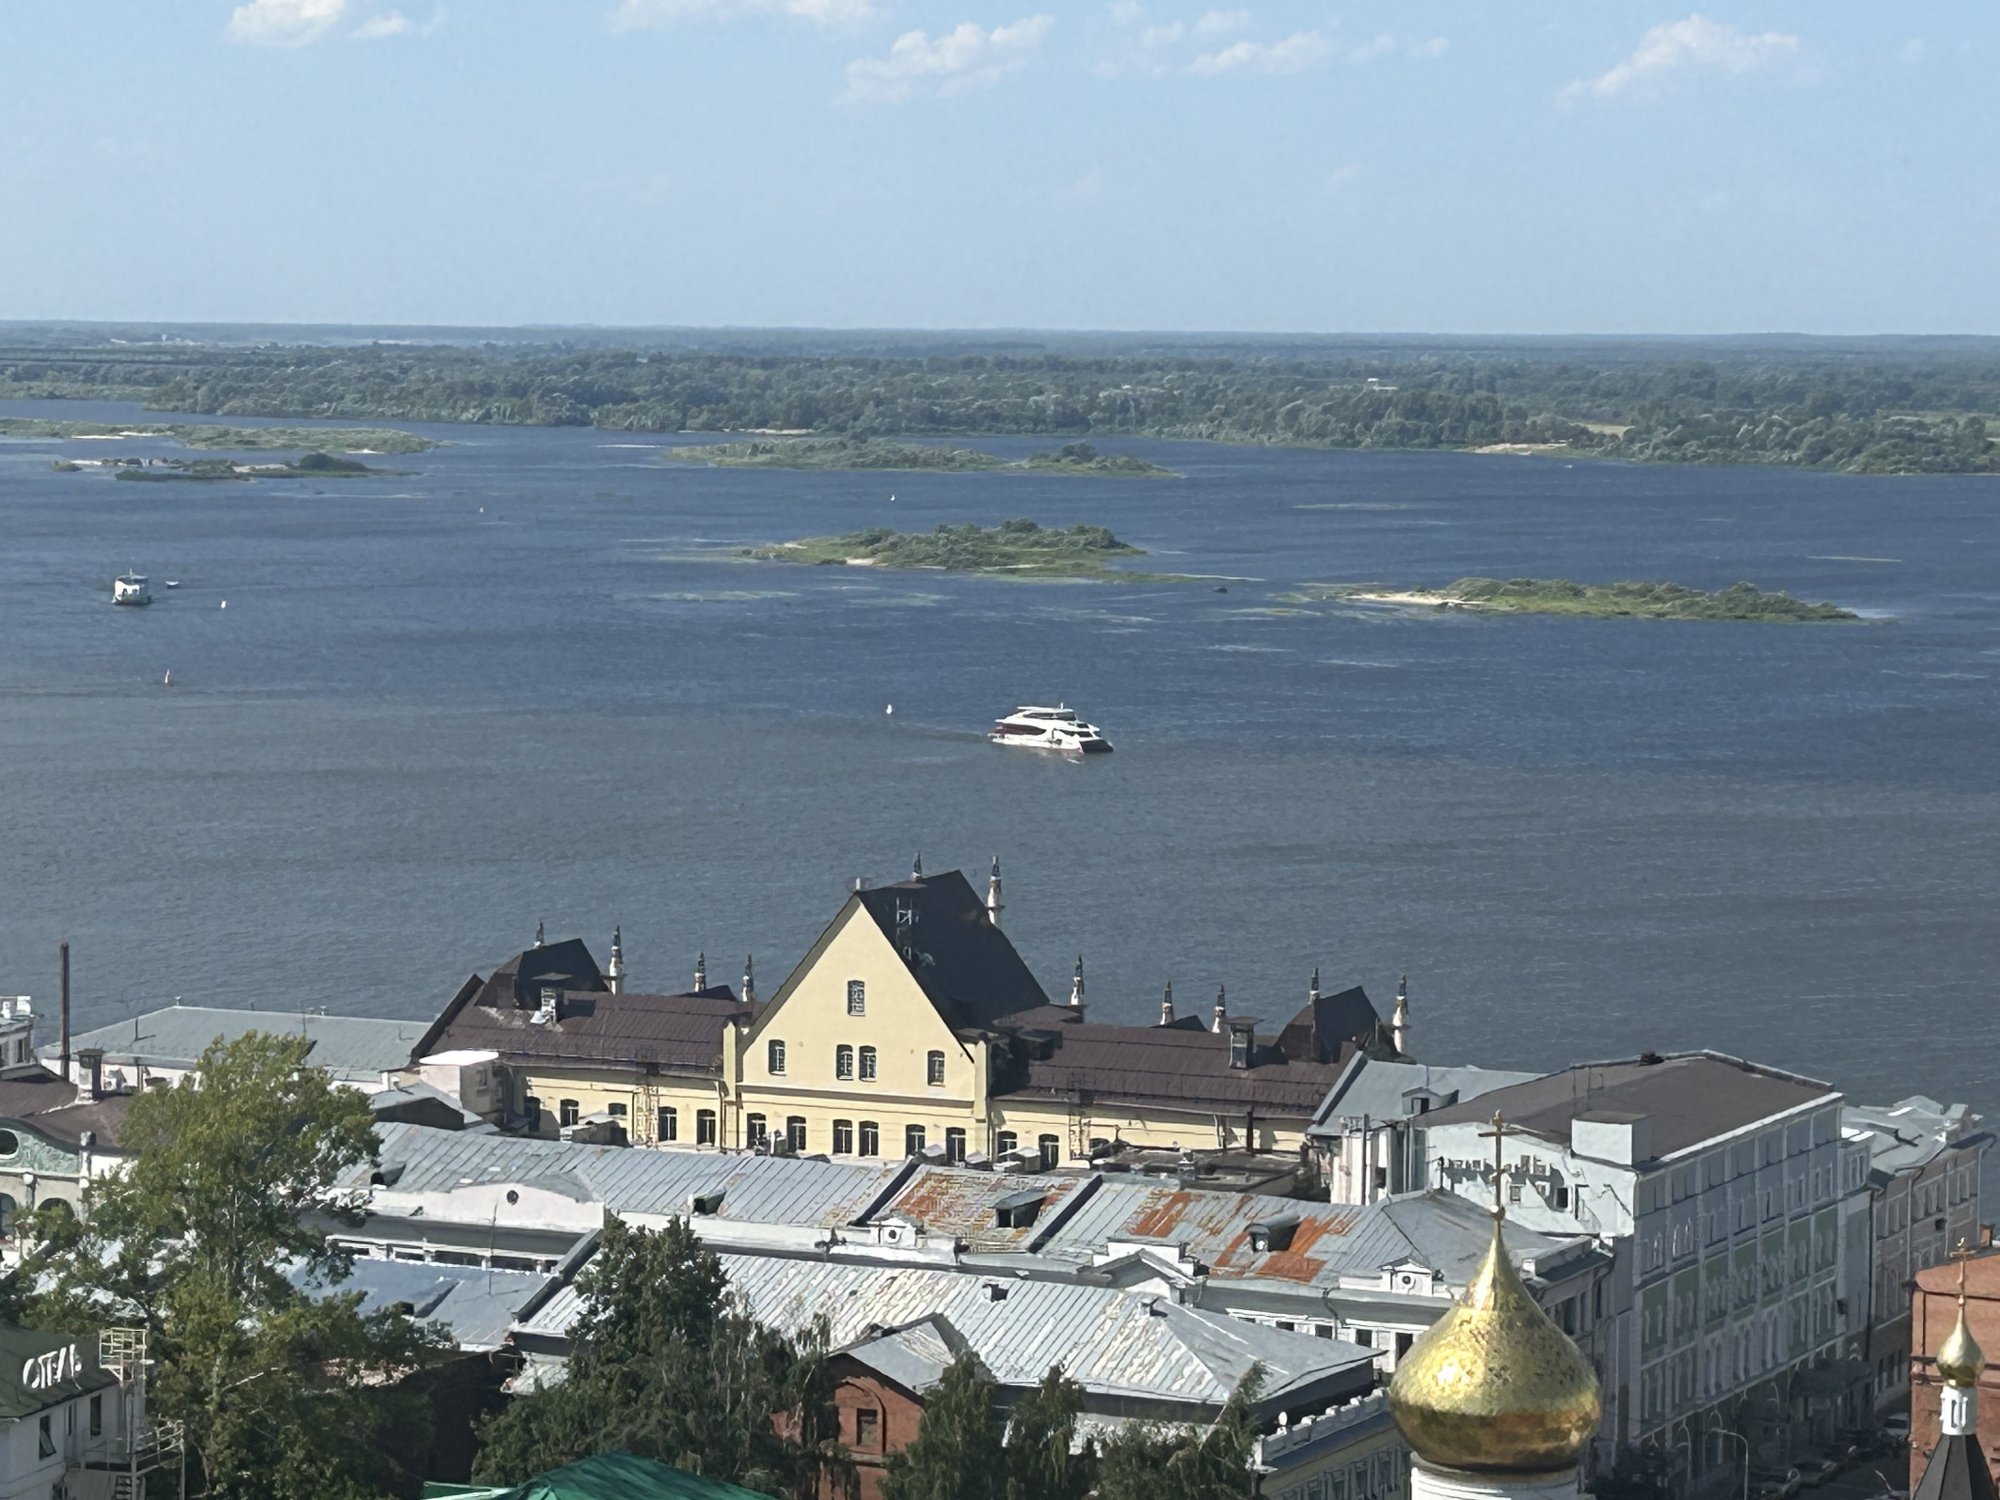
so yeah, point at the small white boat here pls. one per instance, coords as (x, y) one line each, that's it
(130, 588)
(173, 583)
(1055, 728)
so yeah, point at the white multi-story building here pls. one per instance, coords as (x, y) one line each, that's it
(73, 1418)
(1719, 1186)
(1924, 1162)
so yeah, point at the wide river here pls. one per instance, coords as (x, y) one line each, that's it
(530, 680)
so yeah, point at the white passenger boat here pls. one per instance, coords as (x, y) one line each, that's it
(130, 588)
(1055, 728)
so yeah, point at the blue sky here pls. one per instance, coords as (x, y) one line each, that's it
(1822, 166)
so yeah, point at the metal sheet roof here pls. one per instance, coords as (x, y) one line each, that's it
(416, 1159)
(966, 1205)
(355, 1049)
(1375, 1088)
(475, 1307)
(1112, 1342)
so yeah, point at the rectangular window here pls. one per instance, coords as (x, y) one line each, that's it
(871, 1139)
(568, 1112)
(843, 1137)
(616, 1111)
(670, 1123)
(48, 1438)
(843, 1062)
(1006, 1141)
(934, 1070)
(954, 1145)
(913, 1139)
(704, 1127)
(756, 1131)
(97, 1416)
(1051, 1149)
(867, 1429)
(533, 1107)
(774, 1055)
(867, 1064)
(857, 997)
(795, 1133)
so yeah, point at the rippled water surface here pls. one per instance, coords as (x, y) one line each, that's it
(530, 680)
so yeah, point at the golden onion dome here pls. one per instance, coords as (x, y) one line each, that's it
(1960, 1360)
(1494, 1385)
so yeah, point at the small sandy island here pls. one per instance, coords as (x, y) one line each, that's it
(1559, 596)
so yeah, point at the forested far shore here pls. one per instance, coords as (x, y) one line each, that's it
(1855, 410)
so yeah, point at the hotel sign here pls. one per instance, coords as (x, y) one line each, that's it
(42, 1371)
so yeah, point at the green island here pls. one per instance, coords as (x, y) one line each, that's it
(858, 453)
(224, 470)
(1646, 601)
(205, 435)
(1014, 549)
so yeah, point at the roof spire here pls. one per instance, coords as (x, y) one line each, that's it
(614, 972)
(993, 902)
(1167, 1005)
(917, 866)
(1960, 1361)
(538, 933)
(1076, 984)
(749, 978)
(701, 971)
(1221, 1008)
(1312, 990)
(1399, 1023)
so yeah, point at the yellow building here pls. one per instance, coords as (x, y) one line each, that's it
(911, 1024)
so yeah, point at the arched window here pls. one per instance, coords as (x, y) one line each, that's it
(1051, 1147)
(954, 1145)
(934, 1069)
(871, 1138)
(843, 1061)
(8, 1209)
(670, 1123)
(913, 1139)
(867, 1064)
(1006, 1141)
(704, 1127)
(568, 1112)
(756, 1131)
(774, 1056)
(795, 1132)
(843, 1137)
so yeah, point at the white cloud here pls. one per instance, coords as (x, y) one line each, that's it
(1221, 23)
(967, 57)
(635, 13)
(1154, 37)
(1673, 48)
(1430, 47)
(1374, 47)
(283, 23)
(1912, 51)
(1293, 54)
(1340, 177)
(375, 28)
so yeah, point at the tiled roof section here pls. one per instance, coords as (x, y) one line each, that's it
(969, 1206)
(629, 1179)
(1377, 1089)
(1330, 1028)
(473, 1306)
(1112, 1342)
(354, 1049)
(1169, 1068)
(1327, 1240)
(639, 1033)
(964, 963)
(1689, 1097)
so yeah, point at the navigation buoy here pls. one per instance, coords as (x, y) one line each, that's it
(225, 604)
(890, 709)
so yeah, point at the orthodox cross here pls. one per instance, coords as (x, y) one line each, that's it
(1962, 1253)
(1498, 1135)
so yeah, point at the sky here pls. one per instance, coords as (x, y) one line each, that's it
(1597, 166)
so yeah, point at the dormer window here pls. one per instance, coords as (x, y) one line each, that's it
(1242, 1043)
(1274, 1233)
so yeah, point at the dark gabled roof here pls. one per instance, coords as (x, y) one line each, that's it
(65, 1367)
(1331, 1028)
(645, 1033)
(52, 1107)
(1689, 1097)
(1167, 1067)
(1957, 1470)
(963, 962)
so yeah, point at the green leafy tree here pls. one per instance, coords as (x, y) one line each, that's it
(1041, 1439)
(957, 1454)
(665, 1364)
(1185, 1463)
(283, 1393)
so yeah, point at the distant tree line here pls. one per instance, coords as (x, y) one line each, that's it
(1894, 411)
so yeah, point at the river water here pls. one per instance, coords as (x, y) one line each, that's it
(530, 680)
